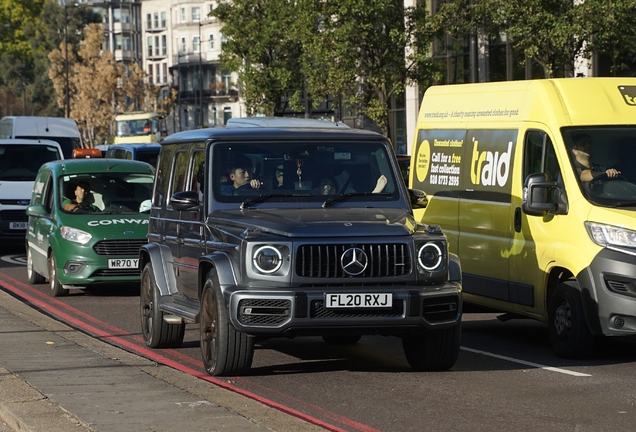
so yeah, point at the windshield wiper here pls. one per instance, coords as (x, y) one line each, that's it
(625, 204)
(352, 194)
(261, 198)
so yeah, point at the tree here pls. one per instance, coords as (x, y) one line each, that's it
(609, 28)
(17, 16)
(261, 48)
(355, 49)
(93, 84)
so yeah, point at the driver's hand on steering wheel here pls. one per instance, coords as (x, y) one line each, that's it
(256, 184)
(612, 172)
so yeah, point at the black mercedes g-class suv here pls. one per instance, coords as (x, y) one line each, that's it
(274, 227)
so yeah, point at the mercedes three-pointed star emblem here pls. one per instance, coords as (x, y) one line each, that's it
(354, 261)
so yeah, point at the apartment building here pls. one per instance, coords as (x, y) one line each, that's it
(181, 46)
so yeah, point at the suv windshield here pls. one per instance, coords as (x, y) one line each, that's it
(280, 172)
(106, 192)
(604, 161)
(22, 162)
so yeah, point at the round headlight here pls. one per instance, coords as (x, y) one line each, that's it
(267, 259)
(429, 256)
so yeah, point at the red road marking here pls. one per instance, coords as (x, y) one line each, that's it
(153, 355)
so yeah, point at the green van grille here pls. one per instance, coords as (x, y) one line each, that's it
(119, 247)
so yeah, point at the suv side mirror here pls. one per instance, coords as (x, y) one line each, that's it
(537, 196)
(418, 198)
(184, 201)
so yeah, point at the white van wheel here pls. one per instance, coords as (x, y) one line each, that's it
(570, 335)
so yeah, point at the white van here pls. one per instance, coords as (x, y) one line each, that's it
(20, 160)
(62, 130)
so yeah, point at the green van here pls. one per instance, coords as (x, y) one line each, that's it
(88, 219)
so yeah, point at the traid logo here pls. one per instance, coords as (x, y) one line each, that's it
(488, 168)
(629, 94)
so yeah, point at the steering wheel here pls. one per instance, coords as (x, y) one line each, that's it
(598, 182)
(246, 189)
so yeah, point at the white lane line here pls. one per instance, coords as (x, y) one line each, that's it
(527, 363)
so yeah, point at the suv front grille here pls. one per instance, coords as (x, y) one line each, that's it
(440, 309)
(264, 312)
(324, 261)
(119, 247)
(13, 215)
(318, 310)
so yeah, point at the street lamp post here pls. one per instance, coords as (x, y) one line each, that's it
(66, 90)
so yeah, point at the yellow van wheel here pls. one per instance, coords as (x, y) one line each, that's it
(570, 335)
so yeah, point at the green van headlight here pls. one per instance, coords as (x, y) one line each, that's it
(606, 235)
(75, 235)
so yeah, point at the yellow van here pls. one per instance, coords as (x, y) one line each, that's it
(545, 227)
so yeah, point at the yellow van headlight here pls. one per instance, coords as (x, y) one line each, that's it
(606, 235)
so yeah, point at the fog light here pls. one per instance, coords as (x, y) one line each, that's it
(73, 267)
(619, 322)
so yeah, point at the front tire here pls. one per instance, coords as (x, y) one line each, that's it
(56, 287)
(570, 335)
(34, 277)
(433, 351)
(156, 332)
(224, 350)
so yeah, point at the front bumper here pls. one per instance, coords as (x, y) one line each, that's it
(608, 288)
(291, 312)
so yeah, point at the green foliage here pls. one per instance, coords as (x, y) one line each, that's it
(351, 49)
(260, 47)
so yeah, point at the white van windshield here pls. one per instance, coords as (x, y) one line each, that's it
(604, 161)
(22, 162)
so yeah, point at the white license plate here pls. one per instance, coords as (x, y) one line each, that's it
(18, 225)
(382, 300)
(123, 263)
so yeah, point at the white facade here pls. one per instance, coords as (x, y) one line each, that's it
(181, 49)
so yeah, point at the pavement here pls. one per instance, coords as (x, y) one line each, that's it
(54, 378)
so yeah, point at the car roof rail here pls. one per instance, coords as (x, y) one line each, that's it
(284, 122)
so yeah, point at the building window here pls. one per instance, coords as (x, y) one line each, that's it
(117, 42)
(163, 44)
(165, 72)
(186, 124)
(125, 16)
(126, 43)
(148, 21)
(183, 45)
(116, 15)
(163, 20)
(150, 74)
(196, 44)
(184, 82)
(183, 15)
(227, 114)
(157, 66)
(156, 45)
(211, 41)
(156, 20)
(196, 14)
(226, 78)
(149, 46)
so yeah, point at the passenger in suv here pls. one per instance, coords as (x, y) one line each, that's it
(284, 260)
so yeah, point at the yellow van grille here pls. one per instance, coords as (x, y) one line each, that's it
(119, 247)
(325, 261)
